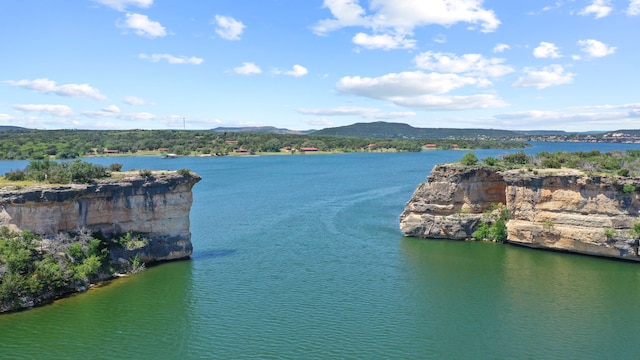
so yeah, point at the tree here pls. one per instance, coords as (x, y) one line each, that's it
(469, 159)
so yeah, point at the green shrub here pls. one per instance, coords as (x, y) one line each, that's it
(491, 161)
(628, 189)
(145, 173)
(115, 167)
(184, 172)
(469, 159)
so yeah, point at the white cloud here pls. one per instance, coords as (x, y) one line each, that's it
(419, 90)
(247, 68)
(383, 41)
(547, 50)
(440, 39)
(392, 21)
(228, 27)
(111, 109)
(132, 100)
(634, 8)
(5, 117)
(599, 8)
(367, 113)
(445, 103)
(547, 76)
(405, 15)
(595, 48)
(143, 26)
(121, 5)
(501, 48)
(172, 59)
(49, 86)
(296, 71)
(56, 110)
(403, 84)
(469, 64)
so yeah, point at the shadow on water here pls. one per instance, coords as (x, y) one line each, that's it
(212, 254)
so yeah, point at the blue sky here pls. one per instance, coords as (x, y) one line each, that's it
(309, 64)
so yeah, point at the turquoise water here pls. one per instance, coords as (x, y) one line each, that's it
(300, 257)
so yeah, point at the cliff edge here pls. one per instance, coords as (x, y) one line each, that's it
(557, 209)
(155, 206)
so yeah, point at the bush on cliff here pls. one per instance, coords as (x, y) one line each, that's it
(34, 270)
(493, 225)
(469, 159)
(53, 172)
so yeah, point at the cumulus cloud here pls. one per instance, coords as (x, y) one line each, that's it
(547, 76)
(595, 48)
(501, 48)
(469, 64)
(44, 85)
(367, 113)
(136, 101)
(228, 27)
(296, 71)
(142, 26)
(419, 90)
(56, 110)
(247, 68)
(403, 84)
(383, 41)
(547, 50)
(599, 8)
(172, 59)
(634, 8)
(393, 21)
(121, 5)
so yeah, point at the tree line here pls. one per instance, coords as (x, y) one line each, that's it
(27, 144)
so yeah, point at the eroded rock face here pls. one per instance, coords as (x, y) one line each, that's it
(157, 207)
(560, 210)
(450, 204)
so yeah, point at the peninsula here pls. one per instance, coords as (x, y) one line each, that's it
(550, 207)
(62, 238)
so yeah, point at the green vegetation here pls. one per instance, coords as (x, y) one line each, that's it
(469, 159)
(493, 225)
(59, 172)
(71, 144)
(34, 270)
(620, 163)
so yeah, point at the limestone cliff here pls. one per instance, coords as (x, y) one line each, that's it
(551, 209)
(155, 206)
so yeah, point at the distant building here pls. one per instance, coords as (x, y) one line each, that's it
(431, 146)
(107, 151)
(309, 148)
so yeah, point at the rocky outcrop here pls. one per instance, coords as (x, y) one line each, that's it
(550, 209)
(156, 206)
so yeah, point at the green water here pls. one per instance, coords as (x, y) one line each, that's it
(300, 257)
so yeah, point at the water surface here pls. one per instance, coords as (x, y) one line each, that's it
(301, 257)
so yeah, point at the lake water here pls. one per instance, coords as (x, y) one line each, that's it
(300, 257)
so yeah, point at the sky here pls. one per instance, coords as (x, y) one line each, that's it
(569, 65)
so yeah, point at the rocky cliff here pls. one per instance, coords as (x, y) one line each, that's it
(156, 206)
(557, 209)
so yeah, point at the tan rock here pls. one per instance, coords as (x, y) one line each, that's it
(553, 209)
(157, 207)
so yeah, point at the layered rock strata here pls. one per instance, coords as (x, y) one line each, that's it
(156, 207)
(558, 209)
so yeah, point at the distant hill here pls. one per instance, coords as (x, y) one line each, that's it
(261, 129)
(8, 127)
(386, 130)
